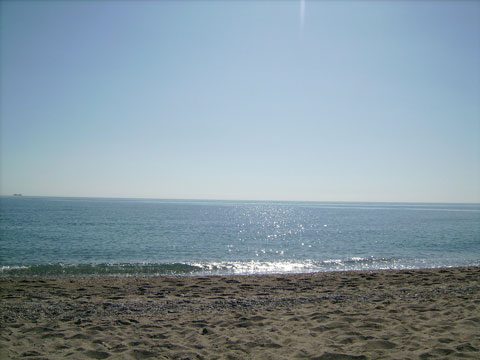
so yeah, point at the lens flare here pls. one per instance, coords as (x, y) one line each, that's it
(302, 14)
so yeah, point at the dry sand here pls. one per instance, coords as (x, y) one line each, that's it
(424, 314)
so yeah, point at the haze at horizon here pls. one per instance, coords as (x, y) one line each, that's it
(313, 101)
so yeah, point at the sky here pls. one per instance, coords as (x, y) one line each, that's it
(249, 100)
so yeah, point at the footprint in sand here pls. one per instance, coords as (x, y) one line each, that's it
(94, 354)
(379, 345)
(142, 354)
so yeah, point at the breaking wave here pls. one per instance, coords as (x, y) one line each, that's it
(210, 268)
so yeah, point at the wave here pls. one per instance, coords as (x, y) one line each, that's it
(209, 268)
(98, 269)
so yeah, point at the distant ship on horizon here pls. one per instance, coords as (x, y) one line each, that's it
(17, 195)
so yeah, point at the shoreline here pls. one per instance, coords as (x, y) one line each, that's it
(362, 314)
(15, 271)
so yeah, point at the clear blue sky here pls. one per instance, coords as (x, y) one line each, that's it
(362, 101)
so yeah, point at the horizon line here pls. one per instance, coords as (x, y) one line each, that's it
(18, 195)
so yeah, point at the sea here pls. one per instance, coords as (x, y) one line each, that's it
(58, 236)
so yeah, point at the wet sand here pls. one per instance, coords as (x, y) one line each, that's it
(414, 314)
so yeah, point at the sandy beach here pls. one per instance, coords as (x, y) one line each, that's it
(410, 314)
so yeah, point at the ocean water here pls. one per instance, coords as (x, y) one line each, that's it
(90, 236)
